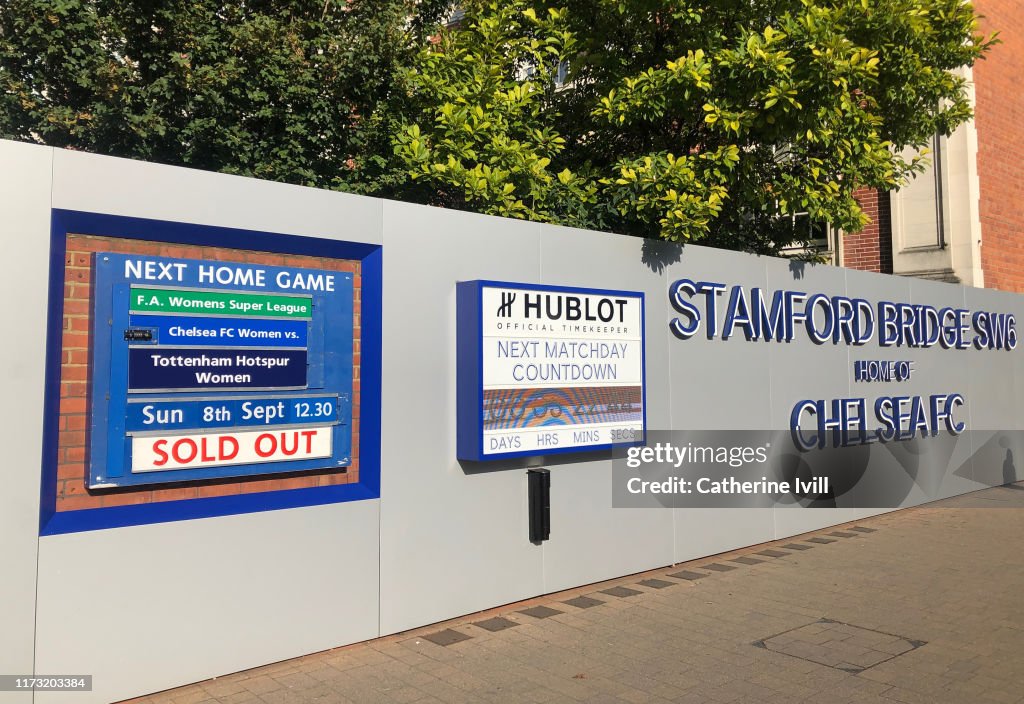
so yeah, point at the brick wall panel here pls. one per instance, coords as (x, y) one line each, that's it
(871, 248)
(999, 120)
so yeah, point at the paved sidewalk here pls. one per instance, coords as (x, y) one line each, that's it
(924, 605)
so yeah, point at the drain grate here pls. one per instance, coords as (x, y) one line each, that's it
(718, 567)
(583, 602)
(495, 624)
(541, 612)
(840, 645)
(446, 637)
(656, 583)
(689, 575)
(621, 592)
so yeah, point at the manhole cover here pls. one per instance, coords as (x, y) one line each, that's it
(839, 645)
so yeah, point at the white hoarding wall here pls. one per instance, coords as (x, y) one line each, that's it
(447, 537)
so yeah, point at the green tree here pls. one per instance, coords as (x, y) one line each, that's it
(688, 119)
(473, 128)
(278, 89)
(684, 119)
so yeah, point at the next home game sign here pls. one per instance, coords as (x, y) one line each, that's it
(210, 369)
(545, 369)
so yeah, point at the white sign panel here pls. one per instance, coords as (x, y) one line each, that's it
(156, 453)
(556, 369)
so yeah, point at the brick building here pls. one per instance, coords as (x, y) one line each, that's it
(963, 219)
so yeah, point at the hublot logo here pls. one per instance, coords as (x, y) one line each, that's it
(507, 299)
(557, 306)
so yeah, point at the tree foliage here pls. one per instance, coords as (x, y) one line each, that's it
(695, 120)
(277, 89)
(475, 125)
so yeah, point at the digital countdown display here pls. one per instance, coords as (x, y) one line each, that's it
(545, 369)
(210, 369)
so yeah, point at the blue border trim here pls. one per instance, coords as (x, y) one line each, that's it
(64, 222)
(470, 368)
(468, 364)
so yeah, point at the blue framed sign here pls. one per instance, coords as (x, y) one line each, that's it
(211, 369)
(548, 369)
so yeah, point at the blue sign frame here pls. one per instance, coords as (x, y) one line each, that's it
(65, 222)
(470, 370)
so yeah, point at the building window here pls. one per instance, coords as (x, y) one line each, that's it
(817, 238)
(919, 208)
